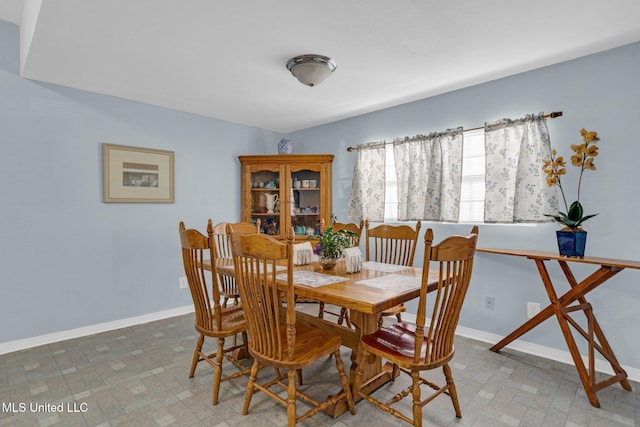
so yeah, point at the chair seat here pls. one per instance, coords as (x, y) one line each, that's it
(397, 342)
(233, 322)
(311, 344)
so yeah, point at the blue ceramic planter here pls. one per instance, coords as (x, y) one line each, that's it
(572, 243)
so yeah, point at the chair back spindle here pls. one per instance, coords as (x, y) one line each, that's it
(391, 244)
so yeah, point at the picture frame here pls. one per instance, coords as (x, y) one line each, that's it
(137, 175)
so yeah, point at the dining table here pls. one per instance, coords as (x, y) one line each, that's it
(366, 294)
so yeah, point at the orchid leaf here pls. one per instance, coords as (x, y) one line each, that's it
(575, 211)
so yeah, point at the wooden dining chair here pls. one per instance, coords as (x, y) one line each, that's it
(392, 244)
(413, 349)
(214, 320)
(356, 229)
(228, 286)
(277, 340)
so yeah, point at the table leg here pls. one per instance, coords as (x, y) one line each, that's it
(375, 375)
(562, 308)
(598, 343)
(544, 314)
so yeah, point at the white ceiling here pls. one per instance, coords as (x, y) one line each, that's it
(226, 59)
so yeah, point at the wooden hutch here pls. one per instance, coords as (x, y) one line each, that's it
(284, 191)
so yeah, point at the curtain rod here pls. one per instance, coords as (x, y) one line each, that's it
(552, 115)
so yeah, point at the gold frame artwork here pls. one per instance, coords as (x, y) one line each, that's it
(137, 175)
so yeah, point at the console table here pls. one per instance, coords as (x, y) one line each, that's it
(569, 304)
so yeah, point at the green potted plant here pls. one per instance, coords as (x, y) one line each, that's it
(330, 246)
(572, 238)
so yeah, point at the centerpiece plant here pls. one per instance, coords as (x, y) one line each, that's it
(331, 244)
(555, 168)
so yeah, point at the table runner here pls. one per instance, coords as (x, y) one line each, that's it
(312, 279)
(381, 266)
(393, 282)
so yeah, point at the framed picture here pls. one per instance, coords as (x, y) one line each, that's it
(137, 175)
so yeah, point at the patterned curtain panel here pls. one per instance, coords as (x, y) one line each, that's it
(367, 188)
(516, 187)
(429, 173)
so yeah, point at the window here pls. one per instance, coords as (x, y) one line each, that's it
(473, 170)
(391, 186)
(472, 192)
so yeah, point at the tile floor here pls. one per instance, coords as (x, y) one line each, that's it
(138, 376)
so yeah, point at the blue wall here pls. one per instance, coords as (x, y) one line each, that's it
(599, 92)
(68, 260)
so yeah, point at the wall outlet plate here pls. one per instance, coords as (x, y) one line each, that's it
(182, 283)
(489, 303)
(533, 308)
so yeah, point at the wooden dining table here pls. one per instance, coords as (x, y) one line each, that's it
(366, 294)
(565, 306)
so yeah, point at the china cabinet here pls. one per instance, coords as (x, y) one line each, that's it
(284, 191)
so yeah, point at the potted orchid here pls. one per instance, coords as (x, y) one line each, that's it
(572, 238)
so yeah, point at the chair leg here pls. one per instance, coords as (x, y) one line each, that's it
(321, 310)
(399, 317)
(344, 316)
(344, 381)
(252, 379)
(217, 370)
(452, 390)
(415, 391)
(347, 318)
(196, 355)
(291, 398)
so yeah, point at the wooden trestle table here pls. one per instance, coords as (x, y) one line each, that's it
(365, 304)
(571, 302)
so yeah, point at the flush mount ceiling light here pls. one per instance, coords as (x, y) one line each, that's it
(310, 69)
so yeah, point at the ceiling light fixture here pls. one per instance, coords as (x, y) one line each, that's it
(311, 70)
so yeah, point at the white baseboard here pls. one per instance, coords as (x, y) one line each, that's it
(545, 352)
(11, 346)
(518, 345)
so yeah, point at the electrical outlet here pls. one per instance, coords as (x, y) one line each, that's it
(182, 283)
(489, 303)
(533, 308)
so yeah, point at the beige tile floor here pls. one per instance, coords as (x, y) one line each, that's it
(138, 376)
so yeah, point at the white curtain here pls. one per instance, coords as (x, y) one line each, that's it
(516, 187)
(368, 184)
(429, 175)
